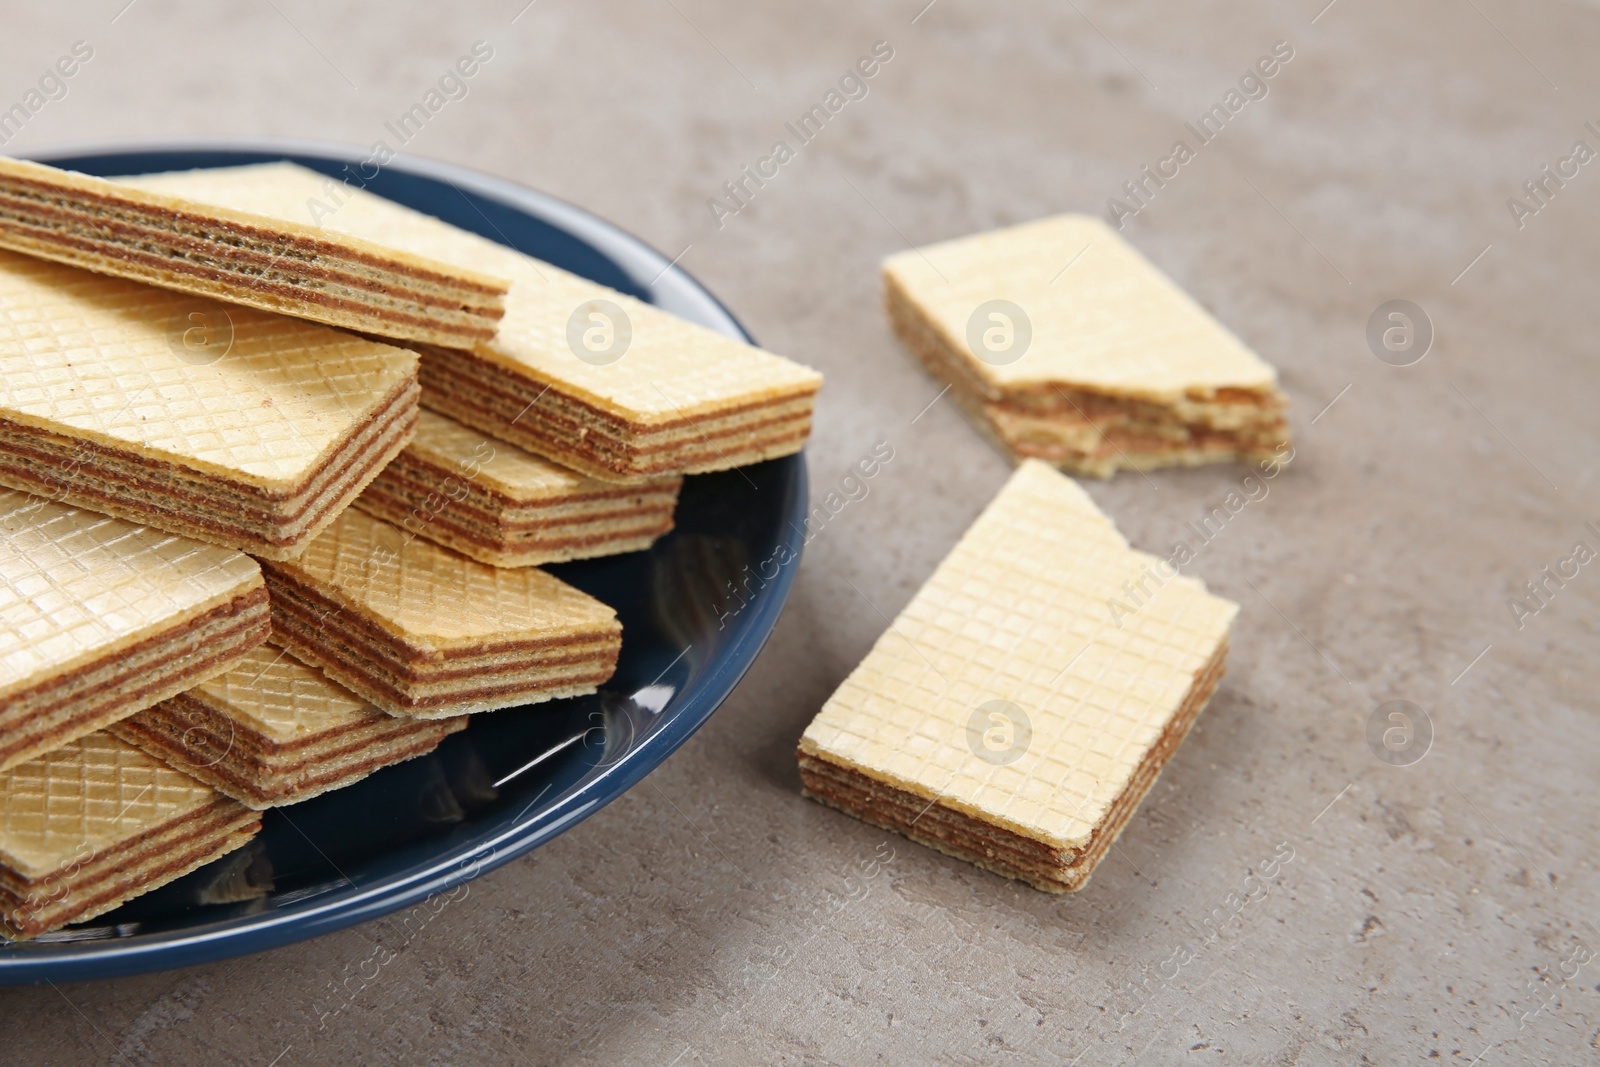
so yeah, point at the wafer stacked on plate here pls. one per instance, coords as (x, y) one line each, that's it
(273, 731)
(88, 825)
(501, 505)
(422, 631)
(173, 390)
(586, 376)
(100, 618)
(283, 265)
(218, 422)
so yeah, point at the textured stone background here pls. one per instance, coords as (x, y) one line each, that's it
(712, 915)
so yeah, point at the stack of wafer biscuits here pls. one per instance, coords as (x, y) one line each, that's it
(503, 506)
(272, 264)
(273, 731)
(175, 390)
(100, 618)
(423, 631)
(225, 424)
(595, 380)
(1067, 345)
(1020, 707)
(94, 822)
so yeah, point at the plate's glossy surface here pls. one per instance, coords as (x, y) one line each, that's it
(517, 777)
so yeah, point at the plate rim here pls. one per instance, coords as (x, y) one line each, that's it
(24, 963)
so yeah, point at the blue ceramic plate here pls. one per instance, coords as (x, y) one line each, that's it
(517, 777)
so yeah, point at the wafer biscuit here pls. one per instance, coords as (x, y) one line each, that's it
(593, 379)
(1020, 707)
(500, 505)
(100, 618)
(255, 441)
(1065, 344)
(285, 265)
(421, 630)
(96, 822)
(273, 731)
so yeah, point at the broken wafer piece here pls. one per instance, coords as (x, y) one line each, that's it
(423, 631)
(285, 265)
(500, 505)
(1020, 707)
(224, 424)
(1067, 345)
(273, 731)
(97, 822)
(100, 618)
(581, 374)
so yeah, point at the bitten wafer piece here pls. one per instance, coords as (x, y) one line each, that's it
(581, 374)
(1065, 344)
(1023, 703)
(97, 822)
(420, 630)
(100, 618)
(224, 424)
(503, 506)
(273, 731)
(285, 265)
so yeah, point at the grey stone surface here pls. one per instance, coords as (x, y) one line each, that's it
(712, 915)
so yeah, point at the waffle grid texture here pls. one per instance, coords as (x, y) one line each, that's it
(91, 795)
(671, 368)
(1102, 316)
(274, 695)
(1019, 612)
(98, 358)
(435, 599)
(478, 458)
(75, 585)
